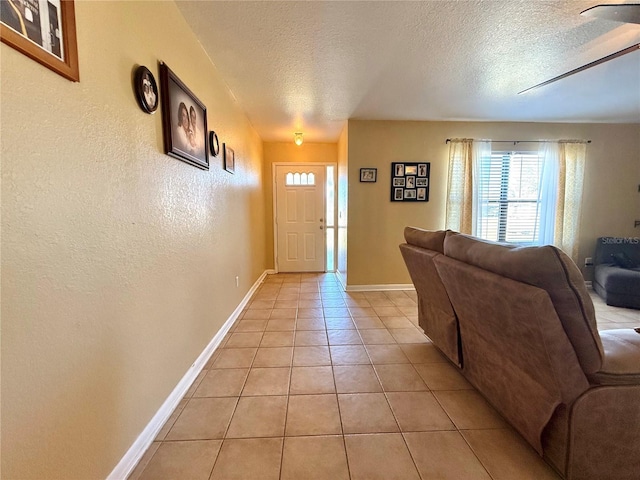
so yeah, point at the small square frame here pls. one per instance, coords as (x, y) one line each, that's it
(229, 158)
(368, 175)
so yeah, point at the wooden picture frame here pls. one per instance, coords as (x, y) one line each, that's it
(410, 181)
(185, 134)
(368, 175)
(229, 158)
(43, 30)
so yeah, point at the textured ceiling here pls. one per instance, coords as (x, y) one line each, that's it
(310, 66)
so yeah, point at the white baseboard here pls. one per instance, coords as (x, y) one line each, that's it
(380, 288)
(130, 459)
(342, 279)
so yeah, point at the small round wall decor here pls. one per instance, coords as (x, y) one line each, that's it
(146, 90)
(214, 144)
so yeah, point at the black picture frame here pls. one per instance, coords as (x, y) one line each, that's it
(52, 44)
(214, 144)
(368, 175)
(229, 158)
(410, 181)
(146, 89)
(186, 142)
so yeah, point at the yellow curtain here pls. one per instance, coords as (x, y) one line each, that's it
(459, 189)
(572, 157)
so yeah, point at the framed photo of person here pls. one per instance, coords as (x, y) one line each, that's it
(368, 174)
(410, 181)
(45, 31)
(184, 121)
(146, 90)
(229, 158)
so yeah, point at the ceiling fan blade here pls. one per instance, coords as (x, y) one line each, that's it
(632, 48)
(628, 13)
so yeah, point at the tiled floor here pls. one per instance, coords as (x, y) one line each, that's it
(316, 383)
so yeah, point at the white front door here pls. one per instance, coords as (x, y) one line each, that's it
(299, 218)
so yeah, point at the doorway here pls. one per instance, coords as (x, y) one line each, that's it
(304, 226)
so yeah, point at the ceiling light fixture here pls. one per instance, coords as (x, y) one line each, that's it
(297, 138)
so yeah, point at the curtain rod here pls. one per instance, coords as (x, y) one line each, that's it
(528, 141)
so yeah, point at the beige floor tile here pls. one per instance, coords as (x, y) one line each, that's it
(377, 336)
(214, 356)
(258, 417)
(310, 296)
(243, 459)
(193, 460)
(262, 304)
(469, 410)
(379, 457)
(423, 353)
(195, 384)
(442, 376)
(287, 296)
(506, 456)
(344, 337)
(366, 413)
(203, 419)
(356, 379)
(310, 380)
(400, 377)
(418, 412)
(313, 415)
(267, 381)
(314, 458)
(396, 322)
(349, 355)
(277, 339)
(386, 311)
(286, 304)
(172, 419)
(311, 356)
(380, 302)
(281, 325)
(273, 357)
(310, 324)
(245, 326)
(256, 314)
(408, 335)
(311, 337)
(331, 303)
(363, 323)
(144, 461)
(384, 354)
(363, 312)
(283, 313)
(339, 323)
(313, 302)
(444, 455)
(336, 312)
(235, 358)
(310, 313)
(243, 340)
(226, 382)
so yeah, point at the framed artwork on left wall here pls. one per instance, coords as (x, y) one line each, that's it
(44, 30)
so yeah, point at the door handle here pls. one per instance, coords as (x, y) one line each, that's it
(321, 220)
(321, 227)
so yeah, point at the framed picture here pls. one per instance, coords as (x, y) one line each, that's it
(229, 159)
(410, 182)
(184, 121)
(44, 30)
(146, 89)
(368, 174)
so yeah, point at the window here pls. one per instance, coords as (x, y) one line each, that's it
(508, 197)
(301, 179)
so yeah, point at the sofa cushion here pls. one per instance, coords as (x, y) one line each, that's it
(545, 267)
(622, 260)
(425, 239)
(622, 358)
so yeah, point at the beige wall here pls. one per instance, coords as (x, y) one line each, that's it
(280, 152)
(118, 262)
(611, 199)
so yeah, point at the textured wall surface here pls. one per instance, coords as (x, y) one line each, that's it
(118, 261)
(611, 200)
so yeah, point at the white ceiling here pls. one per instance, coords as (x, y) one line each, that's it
(311, 65)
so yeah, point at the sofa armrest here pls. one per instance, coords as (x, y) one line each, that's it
(621, 365)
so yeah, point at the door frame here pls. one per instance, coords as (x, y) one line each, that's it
(274, 195)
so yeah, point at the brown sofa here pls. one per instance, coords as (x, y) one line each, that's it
(520, 324)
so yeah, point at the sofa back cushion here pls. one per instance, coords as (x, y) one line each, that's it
(608, 248)
(545, 267)
(425, 239)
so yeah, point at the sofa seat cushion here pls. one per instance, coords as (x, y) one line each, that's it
(545, 267)
(621, 363)
(618, 280)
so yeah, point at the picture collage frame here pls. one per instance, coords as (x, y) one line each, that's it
(410, 181)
